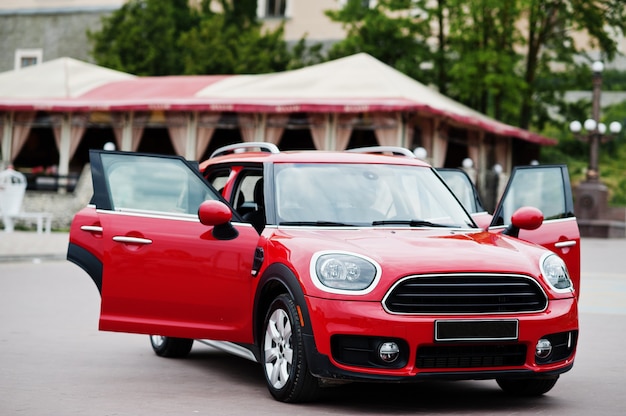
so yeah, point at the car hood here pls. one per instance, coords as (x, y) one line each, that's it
(408, 251)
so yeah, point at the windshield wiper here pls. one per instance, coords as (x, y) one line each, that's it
(411, 223)
(317, 223)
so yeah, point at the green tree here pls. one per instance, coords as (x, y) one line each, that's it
(167, 37)
(501, 57)
(482, 62)
(216, 47)
(389, 31)
(142, 36)
(549, 41)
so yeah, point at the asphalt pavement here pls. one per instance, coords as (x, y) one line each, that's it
(54, 361)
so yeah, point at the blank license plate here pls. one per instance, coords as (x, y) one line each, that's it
(464, 330)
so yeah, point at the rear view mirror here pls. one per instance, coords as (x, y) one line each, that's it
(525, 218)
(214, 213)
(217, 214)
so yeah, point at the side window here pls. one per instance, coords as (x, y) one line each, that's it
(219, 178)
(246, 199)
(27, 57)
(545, 188)
(462, 187)
(366, 4)
(144, 183)
(273, 8)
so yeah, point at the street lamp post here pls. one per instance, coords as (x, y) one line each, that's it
(591, 195)
(596, 131)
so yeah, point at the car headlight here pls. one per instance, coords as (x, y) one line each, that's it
(342, 272)
(555, 272)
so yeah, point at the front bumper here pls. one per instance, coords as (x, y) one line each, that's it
(346, 336)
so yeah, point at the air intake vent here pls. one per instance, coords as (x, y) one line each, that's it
(465, 294)
(471, 356)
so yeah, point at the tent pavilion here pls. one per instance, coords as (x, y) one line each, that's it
(51, 114)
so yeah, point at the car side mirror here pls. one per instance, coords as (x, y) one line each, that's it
(525, 218)
(218, 215)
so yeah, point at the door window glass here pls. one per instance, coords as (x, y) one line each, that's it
(148, 183)
(462, 187)
(219, 179)
(539, 187)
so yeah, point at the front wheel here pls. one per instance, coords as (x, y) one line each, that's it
(282, 354)
(170, 347)
(527, 387)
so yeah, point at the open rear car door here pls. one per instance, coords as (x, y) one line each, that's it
(165, 270)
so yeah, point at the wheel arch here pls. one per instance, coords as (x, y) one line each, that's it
(88, 262)
(278, 279)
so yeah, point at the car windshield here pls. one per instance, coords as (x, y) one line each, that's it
(364, 194)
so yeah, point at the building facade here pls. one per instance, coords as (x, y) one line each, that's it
(34, 31)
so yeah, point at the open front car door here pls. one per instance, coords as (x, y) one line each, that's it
(548, 189)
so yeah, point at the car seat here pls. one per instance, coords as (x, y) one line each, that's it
(257, 217)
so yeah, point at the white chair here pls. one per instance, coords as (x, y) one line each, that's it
(12, 190)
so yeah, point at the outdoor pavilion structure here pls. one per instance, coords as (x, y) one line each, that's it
(331, 100)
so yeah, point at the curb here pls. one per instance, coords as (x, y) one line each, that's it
(31, 258)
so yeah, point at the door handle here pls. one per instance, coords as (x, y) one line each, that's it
(563, 244)
(91, 228)
(131, 240)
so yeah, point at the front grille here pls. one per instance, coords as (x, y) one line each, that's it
(466, 294)
(471, 356)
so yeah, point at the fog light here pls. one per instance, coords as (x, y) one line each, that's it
(543, 348)
(389, 352)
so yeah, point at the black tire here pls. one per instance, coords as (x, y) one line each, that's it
(170, 347)
(527, 387)
(282, 354)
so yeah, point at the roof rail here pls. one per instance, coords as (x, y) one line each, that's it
(394, 150)
(245, 146)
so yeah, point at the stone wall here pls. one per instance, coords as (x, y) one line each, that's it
(61, 206)
(57, 34)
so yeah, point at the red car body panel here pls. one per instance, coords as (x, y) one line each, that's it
(405, 252)
(332, 317)
(566, 244)
(209, 295)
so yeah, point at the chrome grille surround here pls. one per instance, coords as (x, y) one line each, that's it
(465, 294)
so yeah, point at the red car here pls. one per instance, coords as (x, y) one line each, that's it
(334, 266)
